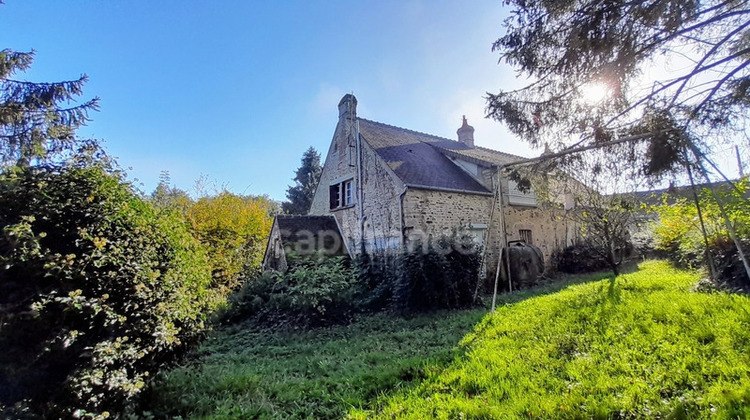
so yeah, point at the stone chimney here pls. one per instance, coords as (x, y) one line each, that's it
(348, 107)
(466, 134)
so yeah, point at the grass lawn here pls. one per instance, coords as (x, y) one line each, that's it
(239, 373)
(638, 346)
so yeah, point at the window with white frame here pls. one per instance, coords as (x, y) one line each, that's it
(341, 194)
(348, 193)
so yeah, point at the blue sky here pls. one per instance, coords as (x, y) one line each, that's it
(236, 91)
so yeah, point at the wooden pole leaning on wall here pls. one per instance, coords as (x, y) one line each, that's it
(503, 240)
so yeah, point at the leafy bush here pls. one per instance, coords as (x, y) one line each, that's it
(234, 229)
(678, 234)
(314, 292)
(581, 258)
(440, 274)
(97, 288)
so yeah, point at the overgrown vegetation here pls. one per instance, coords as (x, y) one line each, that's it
(439, 274)
(234, 230)
(319, 290)
(641, 345)
(679, 235)
(241, 373)
(98, 288)
(314, 292)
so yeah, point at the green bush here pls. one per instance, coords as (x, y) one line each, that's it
(97, 289)
(313, 292)
(441, 274)
(437, 275)
(679, 236)
(581, 258)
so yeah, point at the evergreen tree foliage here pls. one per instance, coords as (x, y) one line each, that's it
(37, 120)
(567, 48)
(306, 179)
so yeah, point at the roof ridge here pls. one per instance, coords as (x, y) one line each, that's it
(502, 153)
(406, 129)
(439, 138)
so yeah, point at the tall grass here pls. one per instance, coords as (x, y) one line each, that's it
(641, 345)
(323, 373)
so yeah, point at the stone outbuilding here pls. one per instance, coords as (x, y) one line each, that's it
(302, 235)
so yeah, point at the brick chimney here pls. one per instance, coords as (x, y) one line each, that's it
(348, 107)
(466, 134)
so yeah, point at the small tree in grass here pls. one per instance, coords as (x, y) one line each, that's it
(606, 223)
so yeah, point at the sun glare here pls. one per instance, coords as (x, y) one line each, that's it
(594, 93)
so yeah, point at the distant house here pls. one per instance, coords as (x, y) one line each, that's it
(388, 187)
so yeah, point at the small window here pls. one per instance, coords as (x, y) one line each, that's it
(334, 194)
(525, 235)
(348, 193)
(341, 194)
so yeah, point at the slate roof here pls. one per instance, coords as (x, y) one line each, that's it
(420, 159)
(480, 155)
(297, 231)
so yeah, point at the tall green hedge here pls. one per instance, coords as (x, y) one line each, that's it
(97, 288)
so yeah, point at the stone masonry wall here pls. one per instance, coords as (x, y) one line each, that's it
(430, 212)
(382, 214)
(551, 229)
(434, 213)
(382, 208)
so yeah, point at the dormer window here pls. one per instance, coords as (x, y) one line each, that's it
(341, 194)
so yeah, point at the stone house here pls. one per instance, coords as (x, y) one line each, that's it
(388, 187)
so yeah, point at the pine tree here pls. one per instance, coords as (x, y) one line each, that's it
(37, 120)
(306, 179)
(567, 48)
